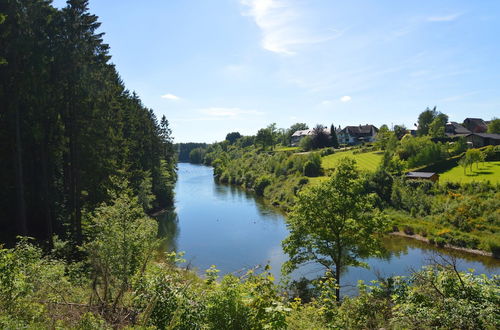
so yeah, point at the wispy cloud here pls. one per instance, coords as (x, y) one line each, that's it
(280, 24)
(345, 98)
(171, 97)
(228, 112)
(445, 18)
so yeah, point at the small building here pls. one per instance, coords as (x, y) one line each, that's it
(299, 135)
(431, 176)
(453, 129)
(357, 134)
(475, 125)
(479, 140)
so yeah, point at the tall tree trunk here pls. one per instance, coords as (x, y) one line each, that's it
(337, 282)
(22, 226)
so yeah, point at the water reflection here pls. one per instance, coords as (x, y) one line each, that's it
(168, 229)
(234, 230)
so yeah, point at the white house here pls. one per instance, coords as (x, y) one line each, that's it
(357, 134)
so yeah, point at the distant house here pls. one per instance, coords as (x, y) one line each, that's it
(431, 176)
(357, 134)
(299, 135)
(453, 129)
(483, 139)
(475, 125)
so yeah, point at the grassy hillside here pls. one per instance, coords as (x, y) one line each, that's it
(488, 171)
(366, 161)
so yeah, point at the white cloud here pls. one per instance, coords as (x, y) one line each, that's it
(345, 98)
(171, 97)
(228, 112)
(279, 22)
(447, 18)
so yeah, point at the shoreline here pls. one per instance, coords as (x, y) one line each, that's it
(447, 246)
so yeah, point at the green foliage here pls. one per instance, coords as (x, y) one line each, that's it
(71, 124)
(265, 138)
(306, 143)
(494, 126)
(123, 242)
(261, 183)
(424, 120)
(233, 137)
(333, 224)
(197, 155)
(333, 137)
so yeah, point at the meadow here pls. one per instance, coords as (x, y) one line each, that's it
(366, 161)
(487, 171)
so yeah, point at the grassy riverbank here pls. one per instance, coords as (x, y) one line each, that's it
(464, 215)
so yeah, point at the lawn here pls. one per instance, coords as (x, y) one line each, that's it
(488, 171)
(287, 149)
(366, 161)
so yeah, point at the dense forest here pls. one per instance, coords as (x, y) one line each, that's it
(69, 129)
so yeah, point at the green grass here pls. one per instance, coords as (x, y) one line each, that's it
(487, 171)
(366, 161)
(287, 149)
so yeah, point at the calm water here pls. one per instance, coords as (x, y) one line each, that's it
(228, 227)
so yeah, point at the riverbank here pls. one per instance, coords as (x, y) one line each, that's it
(447, 246)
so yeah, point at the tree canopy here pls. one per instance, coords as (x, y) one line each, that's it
(68, 124)
(333, 224)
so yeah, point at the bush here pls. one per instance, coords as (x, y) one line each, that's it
(312, 169)
(261, 183)
(306, 143)
(408, 230)
(327, 151)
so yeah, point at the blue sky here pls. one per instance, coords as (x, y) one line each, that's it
(216, 66)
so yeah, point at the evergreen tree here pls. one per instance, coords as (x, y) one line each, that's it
(333, 136)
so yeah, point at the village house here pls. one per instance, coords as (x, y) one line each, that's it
(475, 125)
(357, 134)
(478, 140)
(299, 135)
(453, 129)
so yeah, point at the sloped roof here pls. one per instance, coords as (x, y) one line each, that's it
(359, 130)
(424, 175)
(472, 123)
(493, 136)
(456, 128)
(306, 132)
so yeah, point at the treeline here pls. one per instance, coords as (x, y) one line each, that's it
(184, 150)
(70, 131)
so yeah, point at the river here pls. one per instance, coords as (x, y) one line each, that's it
(223, 225)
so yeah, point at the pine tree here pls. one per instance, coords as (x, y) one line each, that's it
(333, 137)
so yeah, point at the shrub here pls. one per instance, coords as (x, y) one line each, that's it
(261, 183)
(311, 169)
(408, 230)
(306, 144)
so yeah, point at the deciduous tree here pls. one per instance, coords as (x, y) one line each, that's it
(333, 224)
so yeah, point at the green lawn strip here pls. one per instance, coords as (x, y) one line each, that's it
(488, 171)
(366, 161)
(287, 149)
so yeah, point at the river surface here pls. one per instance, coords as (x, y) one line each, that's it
(225, 226)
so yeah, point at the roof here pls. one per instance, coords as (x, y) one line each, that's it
(493, 136)
(456, 128)
(425, 175)
(303, 132)
(360, 130)
(471, 123)
(306, 132)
